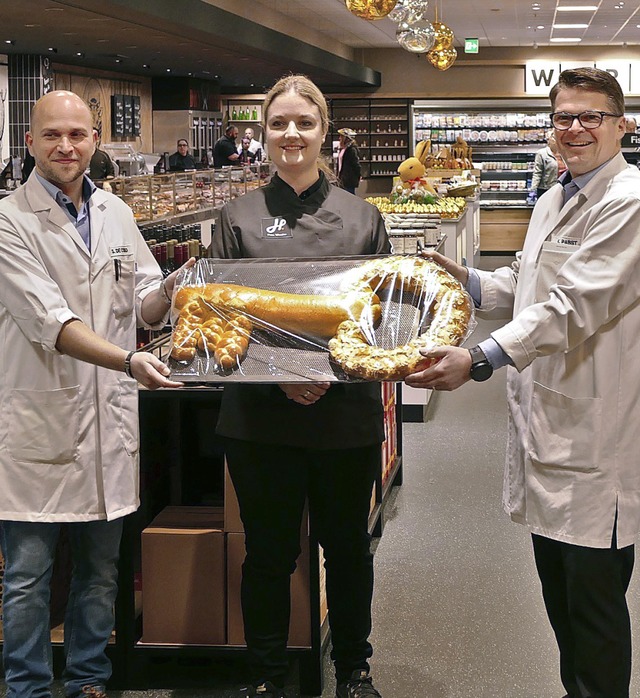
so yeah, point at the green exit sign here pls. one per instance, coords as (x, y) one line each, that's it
(471, 45)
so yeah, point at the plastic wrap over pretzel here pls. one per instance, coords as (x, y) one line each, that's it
(314, 319)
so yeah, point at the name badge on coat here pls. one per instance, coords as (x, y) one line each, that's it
(276, 228)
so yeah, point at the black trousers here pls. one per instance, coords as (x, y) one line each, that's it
(272, 484)
(584, 592)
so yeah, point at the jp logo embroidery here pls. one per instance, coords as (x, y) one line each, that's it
(275, 228)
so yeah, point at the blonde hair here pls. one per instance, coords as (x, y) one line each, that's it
(303, 86)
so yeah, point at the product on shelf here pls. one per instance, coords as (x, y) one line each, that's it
(446, 207)
(298, 321)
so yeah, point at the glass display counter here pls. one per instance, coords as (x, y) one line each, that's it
(160, 196)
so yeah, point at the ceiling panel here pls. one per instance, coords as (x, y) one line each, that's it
(105, 35)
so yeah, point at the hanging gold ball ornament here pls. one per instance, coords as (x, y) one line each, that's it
(444, 37)
(443, 59)
(371, 9)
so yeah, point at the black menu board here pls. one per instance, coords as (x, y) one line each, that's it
(117, 115)
(137, 127)
(128, 115)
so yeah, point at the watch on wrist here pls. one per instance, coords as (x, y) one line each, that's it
(481, 369)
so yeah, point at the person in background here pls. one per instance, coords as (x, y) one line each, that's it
(545, 167)
(182, 159)
(77, 279)
(225, 150)
(255, 146)
(349, 170)
(289, 442)
(630, 125)
(573, 381)
(101, 166)
(247, 157)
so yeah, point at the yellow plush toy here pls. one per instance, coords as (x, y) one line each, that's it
(413, 181)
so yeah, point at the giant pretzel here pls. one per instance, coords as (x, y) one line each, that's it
(217, 319)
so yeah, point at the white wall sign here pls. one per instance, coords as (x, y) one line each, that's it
(541, 76)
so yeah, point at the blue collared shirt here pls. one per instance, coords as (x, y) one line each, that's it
(80, 219)
(579, 182)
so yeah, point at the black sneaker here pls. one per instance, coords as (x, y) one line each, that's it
(264, 690)
(359, 685)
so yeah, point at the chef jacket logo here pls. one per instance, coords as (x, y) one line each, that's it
(276, 228)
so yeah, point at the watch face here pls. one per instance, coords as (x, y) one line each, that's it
(481, 371)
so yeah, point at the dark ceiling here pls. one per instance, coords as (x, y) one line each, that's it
(170, 37)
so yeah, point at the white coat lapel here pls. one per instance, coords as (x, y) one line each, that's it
(41, 201)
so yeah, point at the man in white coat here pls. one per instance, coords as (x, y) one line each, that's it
(77, 277)
(573, 383)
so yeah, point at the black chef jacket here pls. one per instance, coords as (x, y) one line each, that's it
(180, 163)
(325, 221)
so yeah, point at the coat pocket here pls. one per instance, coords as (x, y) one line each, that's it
(564, 432)
(124, 287)
(44, 425)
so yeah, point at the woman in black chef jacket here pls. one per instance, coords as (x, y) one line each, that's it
(285, 443)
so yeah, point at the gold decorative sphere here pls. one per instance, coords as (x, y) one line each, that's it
(371, 9)
(444, 36)
(443, 59)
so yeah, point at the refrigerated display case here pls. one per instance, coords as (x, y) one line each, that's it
(504, 136)
(160, 196)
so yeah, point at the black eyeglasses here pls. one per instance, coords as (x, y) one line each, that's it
(563, 121)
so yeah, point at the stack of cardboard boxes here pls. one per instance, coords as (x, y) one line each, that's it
(191, 571)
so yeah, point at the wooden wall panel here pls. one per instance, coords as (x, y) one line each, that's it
(96, 88)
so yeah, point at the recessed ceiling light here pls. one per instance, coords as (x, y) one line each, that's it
(118, 60)
(9, 41)
(53, 49)
(146, 65)
(577, 8)
(540, 26)
(168, 70)
(570, 26)
(566, 40)
(79, 54)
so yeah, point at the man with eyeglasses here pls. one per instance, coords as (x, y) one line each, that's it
(573, 383)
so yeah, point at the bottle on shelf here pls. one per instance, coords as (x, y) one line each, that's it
(234, 114)
(254, 114)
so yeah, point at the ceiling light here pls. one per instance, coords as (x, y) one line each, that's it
(577, 8)
(11, 42)
(168, 70)
(118, 60)
(540, 26)
(570, 26)
(53, 49)
(566, 40)
(79, 54)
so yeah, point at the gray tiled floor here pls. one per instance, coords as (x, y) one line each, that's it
(457, 610)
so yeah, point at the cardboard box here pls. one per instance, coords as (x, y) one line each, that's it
(183, 578)
(300, 624)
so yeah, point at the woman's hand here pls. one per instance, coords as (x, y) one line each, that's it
(304, 393)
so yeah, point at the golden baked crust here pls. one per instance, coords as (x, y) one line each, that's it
(217, 319)
(437, 292)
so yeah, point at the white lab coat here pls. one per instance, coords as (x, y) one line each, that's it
(68, 429)
(573, 453)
